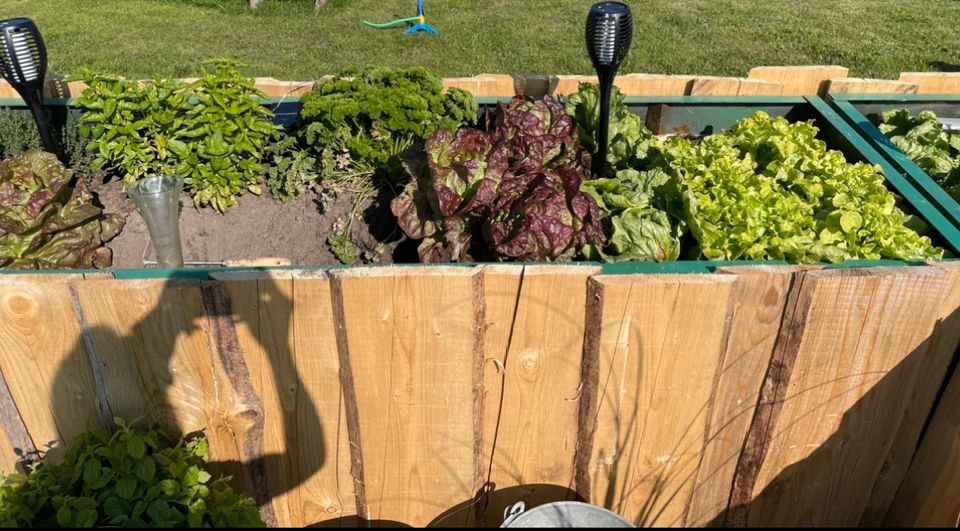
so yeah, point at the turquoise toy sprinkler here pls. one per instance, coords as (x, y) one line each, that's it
(419, 23)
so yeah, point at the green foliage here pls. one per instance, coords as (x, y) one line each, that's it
(765, 189)
(511, 193)
(629, 142)
(924, 140)
(212, 131)
(769, 189)
(45, 224)
(639, 230)
(353, 129)
(18, 133)
(132, 478)
(373, 115)
(292, 171)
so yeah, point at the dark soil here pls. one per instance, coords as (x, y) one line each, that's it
(259, 227)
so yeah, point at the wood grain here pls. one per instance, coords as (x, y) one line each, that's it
(933, 82)
(660, 347)
(855, 85)
(324, 453)
(800, 80)
(929, 495)
(760, 297)
(44, 361)
(536, 432)
(412, 342)
(843, 398)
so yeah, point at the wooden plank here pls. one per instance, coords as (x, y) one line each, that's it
(933, 82)
(274, 88)
(759, 87)
(759, 296)
(715, 86)
(324, 449)
(567, 85)
(658, 349)
(165, 355)
(849, 348)
(929, 496)
(535, 332)
(44, 361)
(800, 80)
(411, 355)
(285, 328)
(939, 351)
(653, 84)
(483, 85)
(856, 85)
(262, 316)
(534, 86)
(501, 290)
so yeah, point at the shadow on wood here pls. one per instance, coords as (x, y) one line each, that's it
(826, 487)
(169, 354)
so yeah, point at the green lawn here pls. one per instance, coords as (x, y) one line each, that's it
(286, 39)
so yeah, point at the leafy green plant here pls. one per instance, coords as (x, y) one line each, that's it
(768, 189)
(132, 478)
(18, 133)
(353, 129)
(512, 193)
(374, 115)
(922, 138)
(765, 189)
(45, 224)
(212, 131)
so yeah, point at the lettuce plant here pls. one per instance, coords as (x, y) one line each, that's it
(509, 193)
(45, 224)
(923, 139)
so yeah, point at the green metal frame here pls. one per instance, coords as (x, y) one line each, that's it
(696, 113)
(854, 109)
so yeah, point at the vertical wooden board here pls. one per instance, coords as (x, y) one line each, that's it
(758, 301)
(261, 312)
(536, 435)
(323, 446)
(715, 86)
(855, 85)
(799, 80)
(413, 348)
(929, 495)
(933, 82)
(501, 290)
(44, 361)
(658, 351)
(151, 337)
(939, 350)
(844, 399)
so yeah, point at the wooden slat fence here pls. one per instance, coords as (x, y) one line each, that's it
(767, 395)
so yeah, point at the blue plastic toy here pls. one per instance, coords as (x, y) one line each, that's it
(419, 23)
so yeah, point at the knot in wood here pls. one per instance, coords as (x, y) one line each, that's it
(530, 361)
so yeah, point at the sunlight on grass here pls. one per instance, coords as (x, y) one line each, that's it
(287, 39)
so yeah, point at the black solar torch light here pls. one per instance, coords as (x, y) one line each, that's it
(23, 63)
(609, 33)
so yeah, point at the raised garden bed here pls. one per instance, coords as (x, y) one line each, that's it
(296, 233)
(441, 394)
